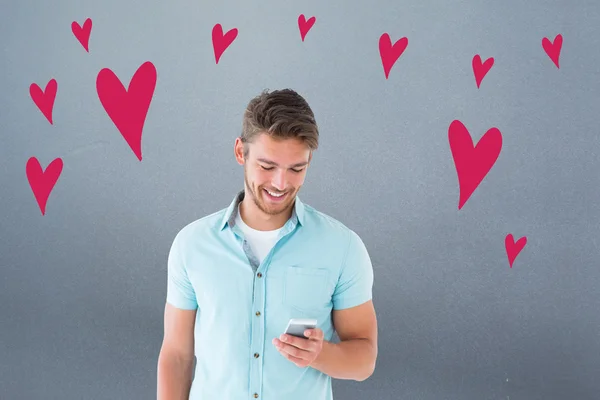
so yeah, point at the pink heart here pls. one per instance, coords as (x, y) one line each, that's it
(472, 163)
(513, 249)
(552, 49)
(390, 54)
(305, 25)
(82, 34)
(479, 69)
(42, 182)
(44, 100)
(221, 42)
(128, 108)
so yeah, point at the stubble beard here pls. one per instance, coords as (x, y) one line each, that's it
(257, 194)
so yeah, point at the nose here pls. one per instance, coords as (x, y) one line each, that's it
(278, 180)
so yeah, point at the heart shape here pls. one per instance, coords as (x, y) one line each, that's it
(221, 42)
(44, 100)
(42, 182)
(552, 49)
(390, 53)
(513, 249)
(128, 108)
(305, 25)
(472, 163)
(481, 69)
(82, 34)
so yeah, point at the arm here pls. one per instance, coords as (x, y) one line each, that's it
(354, 357)
(176, 358)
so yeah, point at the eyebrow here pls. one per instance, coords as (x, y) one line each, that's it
(265, 161)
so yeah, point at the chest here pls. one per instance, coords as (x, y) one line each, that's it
(285, 285)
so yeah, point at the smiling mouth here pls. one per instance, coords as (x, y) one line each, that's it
(275, 196)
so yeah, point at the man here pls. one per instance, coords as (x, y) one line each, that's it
(237, 276)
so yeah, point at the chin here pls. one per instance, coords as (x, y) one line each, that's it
(275, 207)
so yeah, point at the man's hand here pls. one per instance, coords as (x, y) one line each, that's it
(301, 351)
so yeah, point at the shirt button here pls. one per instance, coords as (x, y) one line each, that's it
(256, 395)
(258, 313)
(255, 355)
(259, 275)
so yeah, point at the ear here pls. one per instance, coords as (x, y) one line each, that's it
(238, 151)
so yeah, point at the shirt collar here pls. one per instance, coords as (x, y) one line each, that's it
(232, 210)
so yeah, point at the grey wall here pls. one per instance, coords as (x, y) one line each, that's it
(83, 287)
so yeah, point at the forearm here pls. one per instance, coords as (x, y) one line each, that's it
(174, 378)
(349, 359)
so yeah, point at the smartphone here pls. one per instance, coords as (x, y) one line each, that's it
(297, 326)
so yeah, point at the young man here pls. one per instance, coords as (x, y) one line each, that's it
(237, 276)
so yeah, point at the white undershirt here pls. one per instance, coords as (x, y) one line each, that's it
(260, 242)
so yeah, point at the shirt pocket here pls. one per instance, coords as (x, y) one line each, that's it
(306, 289)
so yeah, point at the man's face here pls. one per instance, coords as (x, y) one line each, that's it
(274, 172)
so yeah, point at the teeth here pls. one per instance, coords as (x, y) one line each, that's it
(275, 195)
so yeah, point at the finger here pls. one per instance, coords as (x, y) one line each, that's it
(304, 353)
(298, 361)
(314, 334)
(301, 343)
(294, 351)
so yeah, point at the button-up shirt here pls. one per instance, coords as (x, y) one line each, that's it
(316, 266)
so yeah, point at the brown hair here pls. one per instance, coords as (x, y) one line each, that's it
(282, 114)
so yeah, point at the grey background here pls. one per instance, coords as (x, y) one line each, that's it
(83, 287)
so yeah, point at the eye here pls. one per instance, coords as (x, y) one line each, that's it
(297, 170)
(266, 169)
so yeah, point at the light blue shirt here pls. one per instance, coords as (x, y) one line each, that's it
(316, 266)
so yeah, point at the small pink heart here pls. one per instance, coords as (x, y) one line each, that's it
(305, 25)
(390, 53)
(221, 42)
(513, 249)
(44, 100)
(472, 162)
(42, 182)
(82, 34)
(481, 69)
(552, 49)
